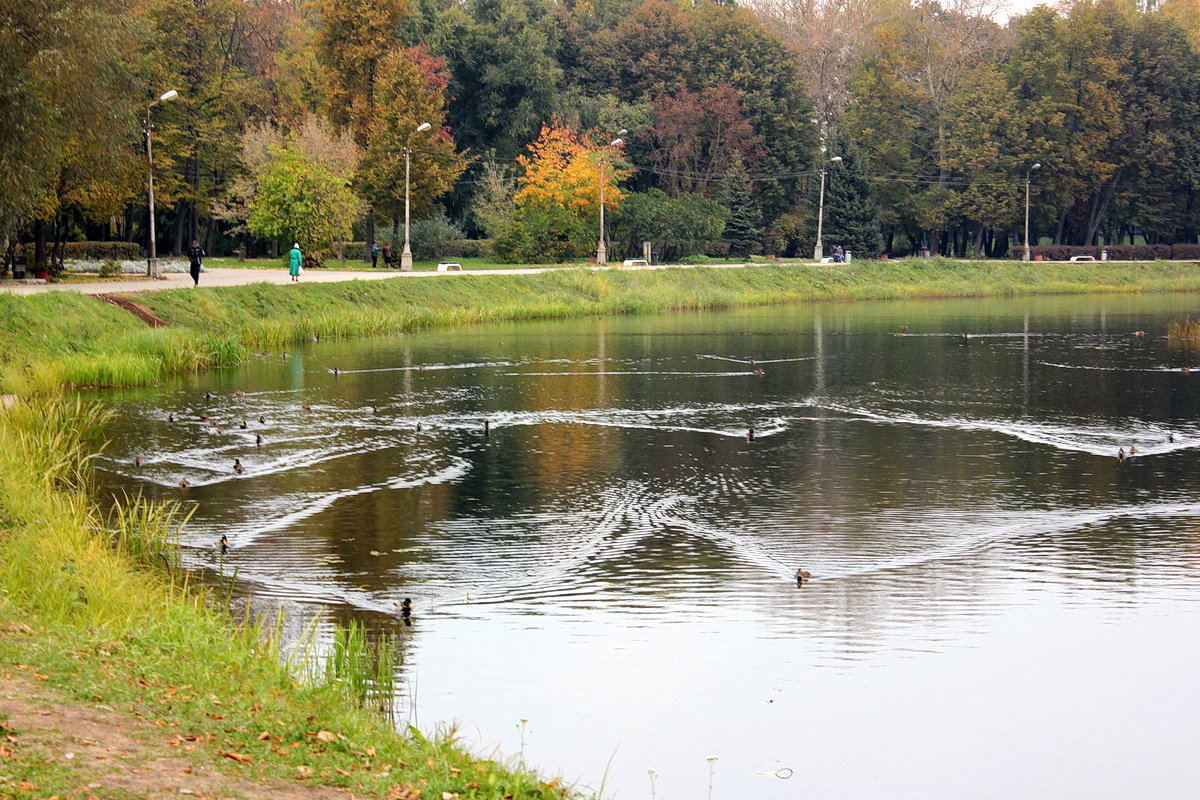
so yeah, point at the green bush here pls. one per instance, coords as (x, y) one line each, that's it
(436, 238)
(544, 236)
(475, 248)
(96, 251)
(110, 269)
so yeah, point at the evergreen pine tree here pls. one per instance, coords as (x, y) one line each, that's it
(851, 213)
(744, 230)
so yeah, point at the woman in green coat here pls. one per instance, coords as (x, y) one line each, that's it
(295, 259)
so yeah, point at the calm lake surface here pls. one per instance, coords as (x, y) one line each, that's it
(604, 584)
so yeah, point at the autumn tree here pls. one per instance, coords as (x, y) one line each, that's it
(409, 92)
(696, 137)
(300, 199)
(559, 195)
(70, 106)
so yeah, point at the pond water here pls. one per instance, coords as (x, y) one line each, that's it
(603, 581)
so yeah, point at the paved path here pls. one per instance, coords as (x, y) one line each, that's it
(224, 276)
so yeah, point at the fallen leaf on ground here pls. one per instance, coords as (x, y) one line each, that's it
(326, 736)
(241, 758)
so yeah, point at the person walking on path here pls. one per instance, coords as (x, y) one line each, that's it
(387, 255)
(374, 254)
(295, 260)
(195, 256)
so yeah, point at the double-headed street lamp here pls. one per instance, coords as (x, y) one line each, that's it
(1027, 174)
(406, 254)
(601, 250)
(152, 246)
(819, 249)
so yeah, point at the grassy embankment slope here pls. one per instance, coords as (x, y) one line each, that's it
(86, 605)
(53, 340)
(96, 617)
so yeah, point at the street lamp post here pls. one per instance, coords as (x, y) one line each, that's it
(152, 245)
(819, 249)
(601, 250)
(1027, 174)
(406, 255)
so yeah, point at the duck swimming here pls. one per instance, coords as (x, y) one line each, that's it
(224, 544)
(801, 576)
(237, 466)
(185, 483)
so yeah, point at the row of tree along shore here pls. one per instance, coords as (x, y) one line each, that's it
(53, 340)
(708, 128)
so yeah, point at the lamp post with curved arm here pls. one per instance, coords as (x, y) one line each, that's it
(601, 249)
(152, 270)
(819, 249)
(1028, 173)
(406, 254)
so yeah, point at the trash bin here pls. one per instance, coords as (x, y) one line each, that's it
(18, 268)
(848, 257)
(1104, 255)
(654, 259)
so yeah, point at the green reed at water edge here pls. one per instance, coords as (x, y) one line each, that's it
(86, 604)
(1184, 330)
(55, 340)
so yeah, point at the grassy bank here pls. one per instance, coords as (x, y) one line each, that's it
(91, 614)
(43, 346)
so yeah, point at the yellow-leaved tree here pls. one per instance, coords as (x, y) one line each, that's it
(559, 197)
(563, 169)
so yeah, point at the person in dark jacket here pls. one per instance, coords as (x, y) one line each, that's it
(387, 255)
(374, 254)
(195, 256)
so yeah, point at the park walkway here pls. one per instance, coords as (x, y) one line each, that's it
(226, 276)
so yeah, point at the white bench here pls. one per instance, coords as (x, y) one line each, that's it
(1083, 258)
(449, 266)
(635, 262)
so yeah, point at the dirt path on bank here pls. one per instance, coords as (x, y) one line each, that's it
(106, 753)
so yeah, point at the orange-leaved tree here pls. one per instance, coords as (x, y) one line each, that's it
(563, 170)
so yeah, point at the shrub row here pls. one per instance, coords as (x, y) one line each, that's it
(96, 251)
(1116, 252)
(449, 248)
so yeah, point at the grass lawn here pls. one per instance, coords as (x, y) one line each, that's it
(358, 264)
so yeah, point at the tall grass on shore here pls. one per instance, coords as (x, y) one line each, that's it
(57, 339)
(85, 604)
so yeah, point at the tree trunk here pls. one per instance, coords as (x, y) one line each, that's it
(1062, 226)
(39, 245)
(1100, 208)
